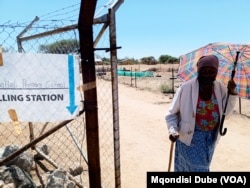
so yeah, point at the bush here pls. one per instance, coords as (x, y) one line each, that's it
(166, 88)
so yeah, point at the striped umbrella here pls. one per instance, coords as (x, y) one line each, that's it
(231, 65)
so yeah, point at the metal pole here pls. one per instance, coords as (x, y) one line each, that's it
(224, 111)
(85, 27)
(116, 132)
(240, 105)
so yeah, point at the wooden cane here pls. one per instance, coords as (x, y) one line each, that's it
(170, 156)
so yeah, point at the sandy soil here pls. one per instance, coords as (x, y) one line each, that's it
(144, 143)
(144, 138)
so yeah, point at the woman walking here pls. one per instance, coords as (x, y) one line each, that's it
(194, 116)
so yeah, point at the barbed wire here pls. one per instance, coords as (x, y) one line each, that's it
(68, 145)
(69, 15)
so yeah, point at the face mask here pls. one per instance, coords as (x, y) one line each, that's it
(206, 80)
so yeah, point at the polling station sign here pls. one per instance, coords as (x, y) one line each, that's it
(39, 87)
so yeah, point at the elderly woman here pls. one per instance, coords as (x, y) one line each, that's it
(194, 116)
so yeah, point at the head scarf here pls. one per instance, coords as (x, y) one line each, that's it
(209, 60)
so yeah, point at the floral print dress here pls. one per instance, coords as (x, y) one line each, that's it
(197, 157)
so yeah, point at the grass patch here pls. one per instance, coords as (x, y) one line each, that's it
(166, 88)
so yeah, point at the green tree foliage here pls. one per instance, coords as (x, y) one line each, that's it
(105, 59)
(148, 60)
(60, 47)
(5, 50)
(165, 59)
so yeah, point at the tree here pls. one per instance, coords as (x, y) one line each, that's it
(9, 49)
(168, 59)
(61, 47)
(149, 60)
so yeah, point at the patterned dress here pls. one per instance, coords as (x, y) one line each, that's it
(198, 156)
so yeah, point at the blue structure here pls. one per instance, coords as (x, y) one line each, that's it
(135, 73)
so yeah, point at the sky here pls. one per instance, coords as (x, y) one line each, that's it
(154, 28)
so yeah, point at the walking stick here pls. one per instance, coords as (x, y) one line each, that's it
(224, 111)
(170, 156)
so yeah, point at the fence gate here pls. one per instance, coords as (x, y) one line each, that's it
(42, 96)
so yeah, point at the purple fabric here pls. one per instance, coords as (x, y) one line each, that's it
(210, 60)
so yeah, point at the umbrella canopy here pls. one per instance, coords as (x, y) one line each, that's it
(234, 62)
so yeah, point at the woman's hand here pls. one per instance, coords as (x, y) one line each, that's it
(231, 87)
(173, 137)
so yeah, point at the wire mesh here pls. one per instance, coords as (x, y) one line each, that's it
(66, 148)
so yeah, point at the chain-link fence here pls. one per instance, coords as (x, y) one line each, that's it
(57, 144)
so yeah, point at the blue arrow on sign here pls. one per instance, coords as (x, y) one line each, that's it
(72, 106)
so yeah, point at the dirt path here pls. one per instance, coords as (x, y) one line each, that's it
(144, 139)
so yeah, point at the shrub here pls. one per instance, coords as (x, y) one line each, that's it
(166, 88)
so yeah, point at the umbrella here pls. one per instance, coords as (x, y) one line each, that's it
(234, 63)
(227, 53)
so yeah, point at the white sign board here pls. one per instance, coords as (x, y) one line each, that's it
(39, 87)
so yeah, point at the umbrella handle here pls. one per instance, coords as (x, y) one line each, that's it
(222, 133)
(224, 111)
